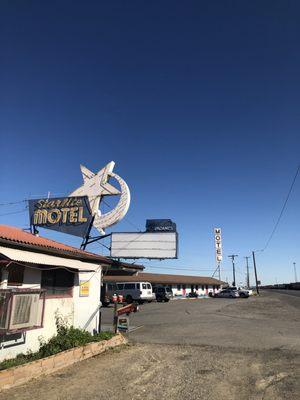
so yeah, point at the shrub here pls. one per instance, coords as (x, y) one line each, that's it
(69, 337)
(66, 338)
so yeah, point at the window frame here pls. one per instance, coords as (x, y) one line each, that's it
(66, 294)
(129, 286)
(12, 268)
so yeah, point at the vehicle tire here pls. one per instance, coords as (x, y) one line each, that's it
(167, 300)
(232, 296)
(129, 299)
(243, 296)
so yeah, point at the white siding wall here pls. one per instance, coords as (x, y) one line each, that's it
(77, 311)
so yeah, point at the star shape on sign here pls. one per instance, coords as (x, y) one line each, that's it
(95, 186)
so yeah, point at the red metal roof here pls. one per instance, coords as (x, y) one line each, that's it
(17, 236)
(164, 279)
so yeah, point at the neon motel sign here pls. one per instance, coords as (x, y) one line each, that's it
(218, 244)
(78, 212)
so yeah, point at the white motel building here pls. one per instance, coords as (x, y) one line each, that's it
(42, 280)
(181, 285)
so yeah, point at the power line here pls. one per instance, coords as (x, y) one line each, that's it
(178, 268)
(282, 210)
(125, 218)
(13, 212)
(10, 203)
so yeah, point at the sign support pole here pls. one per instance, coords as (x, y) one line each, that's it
(86, 238)
(254, 264)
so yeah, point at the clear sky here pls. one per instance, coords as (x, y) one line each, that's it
(197, 102)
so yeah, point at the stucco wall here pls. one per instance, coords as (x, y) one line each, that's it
(86, 309)
(77, 311)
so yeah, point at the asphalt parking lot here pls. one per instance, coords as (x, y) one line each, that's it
(270, 321)
(245, 349)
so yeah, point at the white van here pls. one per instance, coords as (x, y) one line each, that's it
(132, 291)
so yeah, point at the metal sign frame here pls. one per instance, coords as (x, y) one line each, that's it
(147, 258)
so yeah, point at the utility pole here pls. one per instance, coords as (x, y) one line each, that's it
(248, 278)
(233, 267)
(254, 265)
(295, 272)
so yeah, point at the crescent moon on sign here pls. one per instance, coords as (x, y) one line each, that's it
(103, 221)
(95, 186)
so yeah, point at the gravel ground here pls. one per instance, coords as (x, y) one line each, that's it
(191, 370)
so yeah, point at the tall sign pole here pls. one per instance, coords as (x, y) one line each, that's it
(255, 272)
(218, 247)
(248, 278)
(233, 267)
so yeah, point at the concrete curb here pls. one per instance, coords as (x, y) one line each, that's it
(23, 373)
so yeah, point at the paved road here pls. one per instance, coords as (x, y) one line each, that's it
(206, 349)
(287, 292)
(265, 322)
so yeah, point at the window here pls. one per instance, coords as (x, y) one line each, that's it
(15, 275)
(144, 286)
(120, 286)
(183, 287)
(202, 287)
(129, 286)
(58, 282)
(138, 286)
(197, 287)
(178, 287)
(148, 286)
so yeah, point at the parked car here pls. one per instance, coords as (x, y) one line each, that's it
(105, 300)
(132, 291)
(163, 293)
(242, 292)
(232, 292)
(193, 295)
(229, 293)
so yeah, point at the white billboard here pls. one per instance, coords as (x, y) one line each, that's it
(159, 245)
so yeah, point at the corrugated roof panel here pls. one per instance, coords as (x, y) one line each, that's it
(46, 259)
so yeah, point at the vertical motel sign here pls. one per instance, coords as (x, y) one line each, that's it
(218, 244)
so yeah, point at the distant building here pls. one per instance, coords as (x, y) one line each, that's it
(181, 285)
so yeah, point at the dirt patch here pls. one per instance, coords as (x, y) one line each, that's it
(150, 372)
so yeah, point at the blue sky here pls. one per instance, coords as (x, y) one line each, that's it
(196, 102)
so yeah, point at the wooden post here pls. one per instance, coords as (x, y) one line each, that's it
(116, 317)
